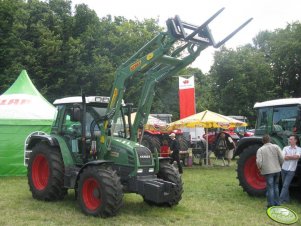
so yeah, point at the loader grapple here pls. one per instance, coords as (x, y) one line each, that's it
(199, 34)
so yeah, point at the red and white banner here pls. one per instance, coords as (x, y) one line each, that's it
(186, 97)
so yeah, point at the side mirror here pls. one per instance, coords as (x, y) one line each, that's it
(75, 115)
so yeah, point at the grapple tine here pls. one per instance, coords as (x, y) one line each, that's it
(200, 35)
(200, 28)
(232, 34)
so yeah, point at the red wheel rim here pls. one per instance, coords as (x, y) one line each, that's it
(40, 172)
(91, 194)
(252, 174)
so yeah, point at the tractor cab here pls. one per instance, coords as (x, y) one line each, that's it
(279, 118)
(80, 125)
(73, 123)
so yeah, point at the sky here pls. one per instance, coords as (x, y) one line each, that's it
(266, 14)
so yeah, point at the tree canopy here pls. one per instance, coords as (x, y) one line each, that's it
(269, 68)
(68, 52)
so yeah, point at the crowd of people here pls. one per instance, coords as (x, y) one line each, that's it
(223, 148)
(274, 163)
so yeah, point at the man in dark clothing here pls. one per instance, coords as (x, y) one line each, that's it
(175, 151)
(226, 146)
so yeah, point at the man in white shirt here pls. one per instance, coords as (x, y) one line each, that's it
(291, 155)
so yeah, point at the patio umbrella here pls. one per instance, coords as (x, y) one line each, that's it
(207, 119)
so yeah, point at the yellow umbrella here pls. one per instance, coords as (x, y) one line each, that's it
(207, 119)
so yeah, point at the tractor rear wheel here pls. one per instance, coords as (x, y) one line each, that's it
(156, 142)
(248, 174)
(184, 144)
(148, 142)
(46, 173)
(99, 191)
(169, 173)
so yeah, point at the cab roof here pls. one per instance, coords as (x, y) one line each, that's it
(78, 99)
(278, 102)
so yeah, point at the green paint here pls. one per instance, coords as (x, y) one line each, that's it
(66, 154)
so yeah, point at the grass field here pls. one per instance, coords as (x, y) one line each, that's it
(211, 197)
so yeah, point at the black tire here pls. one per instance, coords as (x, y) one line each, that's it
(99, 191)
(148, 142)
(169, 173)
(156, 142)
(248, 174)
(184, 144)
(46, 173)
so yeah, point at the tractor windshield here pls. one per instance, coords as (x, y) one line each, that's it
(95, 113)
(281, 120)
(284, 119)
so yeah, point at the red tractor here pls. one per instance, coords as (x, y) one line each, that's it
(157, 132)
(213, 136)
(242, 130)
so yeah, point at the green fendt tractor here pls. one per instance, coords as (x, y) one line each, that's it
(280, 119)
(92, 150)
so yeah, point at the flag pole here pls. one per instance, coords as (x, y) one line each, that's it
(207, 146)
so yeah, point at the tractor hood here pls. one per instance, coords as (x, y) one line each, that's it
(124, 143)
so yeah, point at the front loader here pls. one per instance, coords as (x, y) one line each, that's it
(90, 148)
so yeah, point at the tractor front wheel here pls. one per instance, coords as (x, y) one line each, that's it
(99, 192)
(46, 173)
(169, 173)
(248, 174)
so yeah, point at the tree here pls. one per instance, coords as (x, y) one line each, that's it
(282, 48)
(239, 79)
(66, 54)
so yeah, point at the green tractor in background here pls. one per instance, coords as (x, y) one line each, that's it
(92, 150)
(280, 119)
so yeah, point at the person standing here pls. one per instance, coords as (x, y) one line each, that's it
(269, 159)
(291, 154)
(175, 151)
(226, 144)
(164, 150)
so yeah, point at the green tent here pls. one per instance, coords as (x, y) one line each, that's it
(23, 110)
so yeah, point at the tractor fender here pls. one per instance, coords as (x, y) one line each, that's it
(152, 132)
(94, 163)
(36, 138)
(245, 142)
(72, 173)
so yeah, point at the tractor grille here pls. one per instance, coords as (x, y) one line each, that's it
(144, 155)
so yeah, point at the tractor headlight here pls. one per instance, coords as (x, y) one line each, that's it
(140, 171)
(151, 170)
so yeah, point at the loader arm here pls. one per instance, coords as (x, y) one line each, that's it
(193, 43)
(163, 56)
